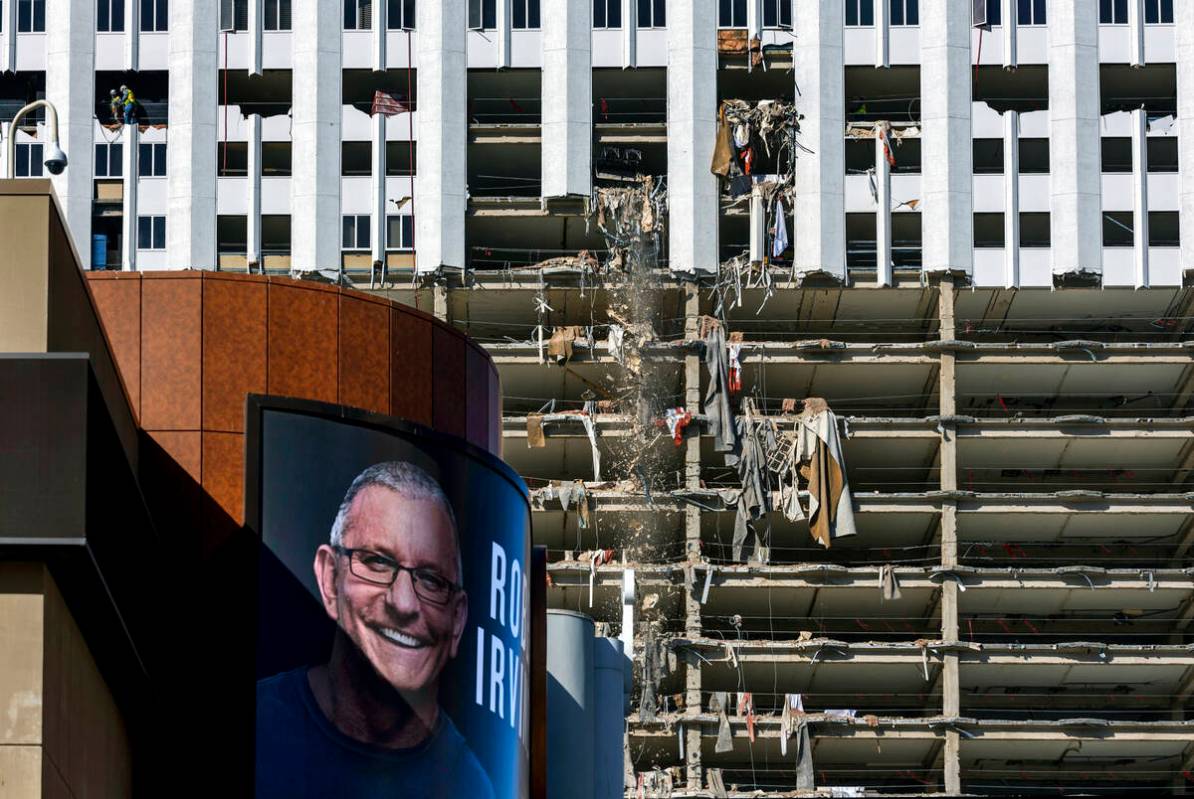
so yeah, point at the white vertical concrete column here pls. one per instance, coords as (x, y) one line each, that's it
(132, 36)
(629, 33)
(820, 206)
(504, 25)
(1008, 13)
(70, 86)
(693, 212)
(1011, 199)
(253, 255)
(758, 225)
(194, 76)
(1140, 196)
(10, 37)
(567, 98)
(754, 18)
(947, 218)
(315, 133)
(130, 163)
(1136, 33)
(378, 171)
(882, 33)
(1075, 163)
(256, 37)
(1184, 32)
(883, 264)
(441, 185)
(381, 22)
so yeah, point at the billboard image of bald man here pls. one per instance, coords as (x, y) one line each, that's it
(368, 723)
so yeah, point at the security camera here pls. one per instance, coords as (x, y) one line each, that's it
(55, 160)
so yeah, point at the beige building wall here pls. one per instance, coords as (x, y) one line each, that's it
(61, 733)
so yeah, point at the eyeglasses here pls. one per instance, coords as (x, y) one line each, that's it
(374, 568)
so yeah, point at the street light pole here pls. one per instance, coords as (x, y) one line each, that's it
(55, 159)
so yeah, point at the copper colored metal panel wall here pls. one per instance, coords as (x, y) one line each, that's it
(411, 353)
(171, 347)
(119, 304)
(364, 353)
(303, 332)
(448, 375)
(234, 349)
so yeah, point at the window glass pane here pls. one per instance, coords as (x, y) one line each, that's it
(363, 232)
(348, 239)
(24, 16)
(39, 15)
(489, 13)
(739, 13)
(615, 13)
(474, 14)
(102, 20)
(146, 15)
(22, 165)
(159, 232)
(1151, 8)
(408, 18)
(785, 13)
(271, 15)
(660, 14)
(725, 12)
(1167, 12)
(117, 16)
(644, 13)
(1024, 12)
(116, 160)
(161, 20)
(851, 12)
(1040, 17)
(599, 14)
(519, 9)
(408, 231)
(350, 15)
(35, 160)
(769, 15)
(159, 160)
(994, 12)
(101, 160)
(867, 12)
(533, 13)
(144, 232)
(913, 11)
(897, 11)
(145, 159)
(1105, 12)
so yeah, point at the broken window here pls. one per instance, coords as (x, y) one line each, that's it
(994, 12)
(400, 15)
(358, 15)
(277, 15)
(482, 14)
(777, 13)
(234, 15)
(109, 16)
(905, 12)
(607, 14)
(1117, 229)
(860, 13)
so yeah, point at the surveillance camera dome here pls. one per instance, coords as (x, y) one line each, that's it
(55, 160)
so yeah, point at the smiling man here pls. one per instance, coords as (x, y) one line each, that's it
(368, 723)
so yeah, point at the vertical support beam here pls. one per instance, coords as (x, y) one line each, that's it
(378, 171)
(693, 212)
(253, 254)
(1136, 33)
(694, 773)
(70, 86)
(1008, 14)
(132, 36)
(131, 170)
(950, 684)
(1183, 30)
(10, 37)
(629, 33)
(315, 133)
(754, 19)
(820, 230)
(947, 220)
(256, 36)
(381, 22)
(1011, 199)
(1075, 164)
(193, 75)
(503, 32)
(1140, 197)
(758, 225)
(567, 150)
(441, 182)
(882, 33)
(883, 264)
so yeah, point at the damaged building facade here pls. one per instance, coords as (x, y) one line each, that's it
(845, 344)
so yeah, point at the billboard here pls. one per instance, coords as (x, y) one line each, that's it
(392, 625)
